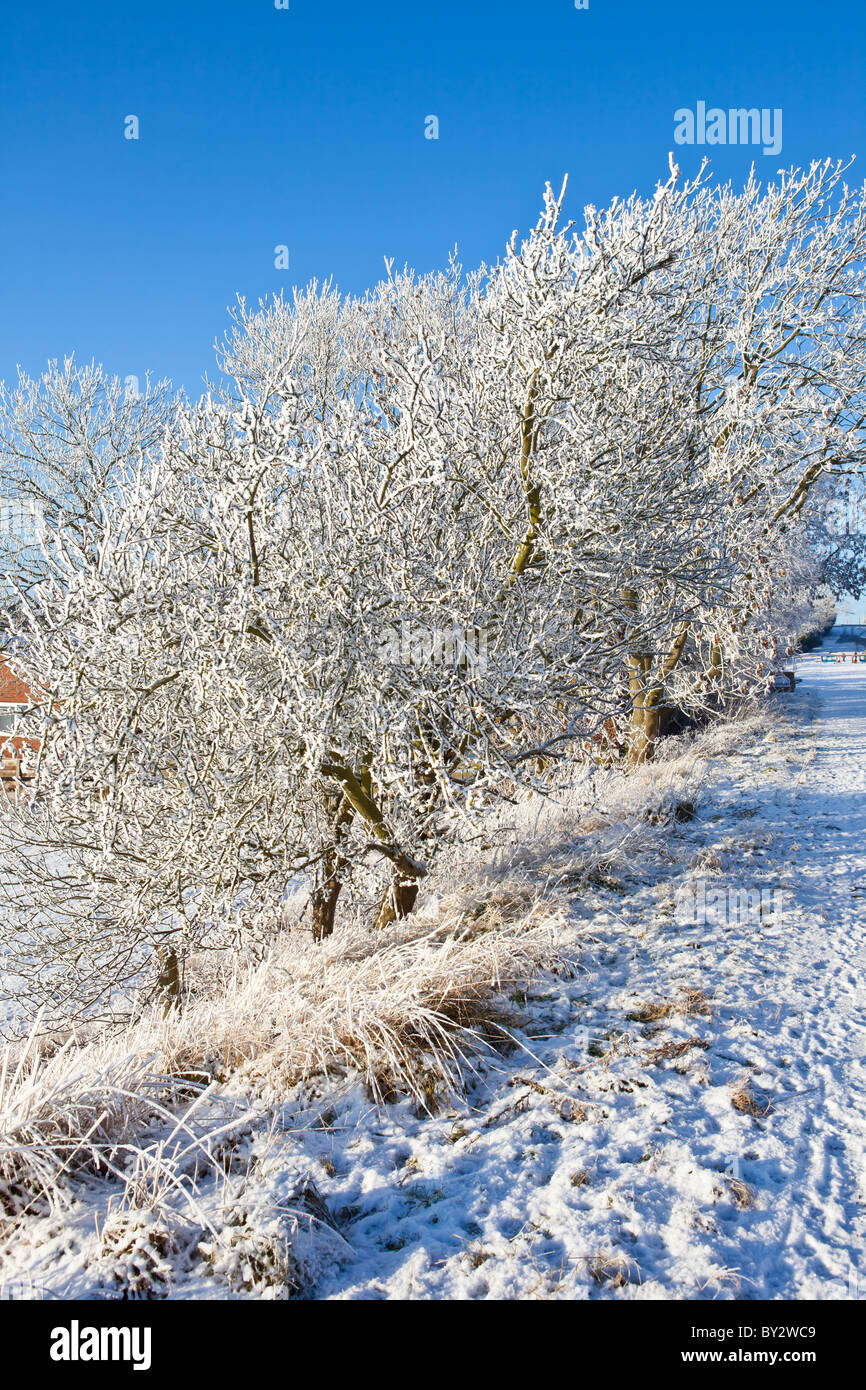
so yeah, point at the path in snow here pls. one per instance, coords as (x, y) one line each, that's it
(626, 1175)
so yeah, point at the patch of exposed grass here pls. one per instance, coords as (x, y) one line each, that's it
(746, 1102)
(669, 1050)
(743, 1195)
(608, 1267)
(691, 1001)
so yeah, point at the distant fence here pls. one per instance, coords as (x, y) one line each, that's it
(838, 658)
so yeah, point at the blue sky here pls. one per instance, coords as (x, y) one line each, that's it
(305, 127)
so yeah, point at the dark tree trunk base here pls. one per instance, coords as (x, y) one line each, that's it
(326, 893)
(398, 901)
(325, 908)
(168, 981)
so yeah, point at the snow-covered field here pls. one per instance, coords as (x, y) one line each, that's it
(683, 1114)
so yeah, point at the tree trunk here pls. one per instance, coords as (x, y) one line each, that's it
(324, 899)
(403, 890)
(397, 901)
(327, 891)
(639, 749)
(644, 734)
(647, 696)
(168, 980)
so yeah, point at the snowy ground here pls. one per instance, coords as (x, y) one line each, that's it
(685, 1117)
(620, 1175)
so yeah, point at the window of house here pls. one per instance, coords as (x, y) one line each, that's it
(9, 717)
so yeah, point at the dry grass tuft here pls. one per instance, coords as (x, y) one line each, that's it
(746, 1102)
(476, 1255)
(670, 1050)
(136, 1250)
(608, 1267)
(696, 1001)
(743, 1195)
(691, 1001)
(708, 860)
(71, 1110)
(722, 1278)
(652, 1012)
(274, 1256)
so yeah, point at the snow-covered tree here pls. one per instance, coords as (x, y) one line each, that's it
(421, 546)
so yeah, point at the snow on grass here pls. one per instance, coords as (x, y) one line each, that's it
(132, 1117)
(617, 1053)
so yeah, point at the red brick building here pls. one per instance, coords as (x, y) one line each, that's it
(15, 750)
